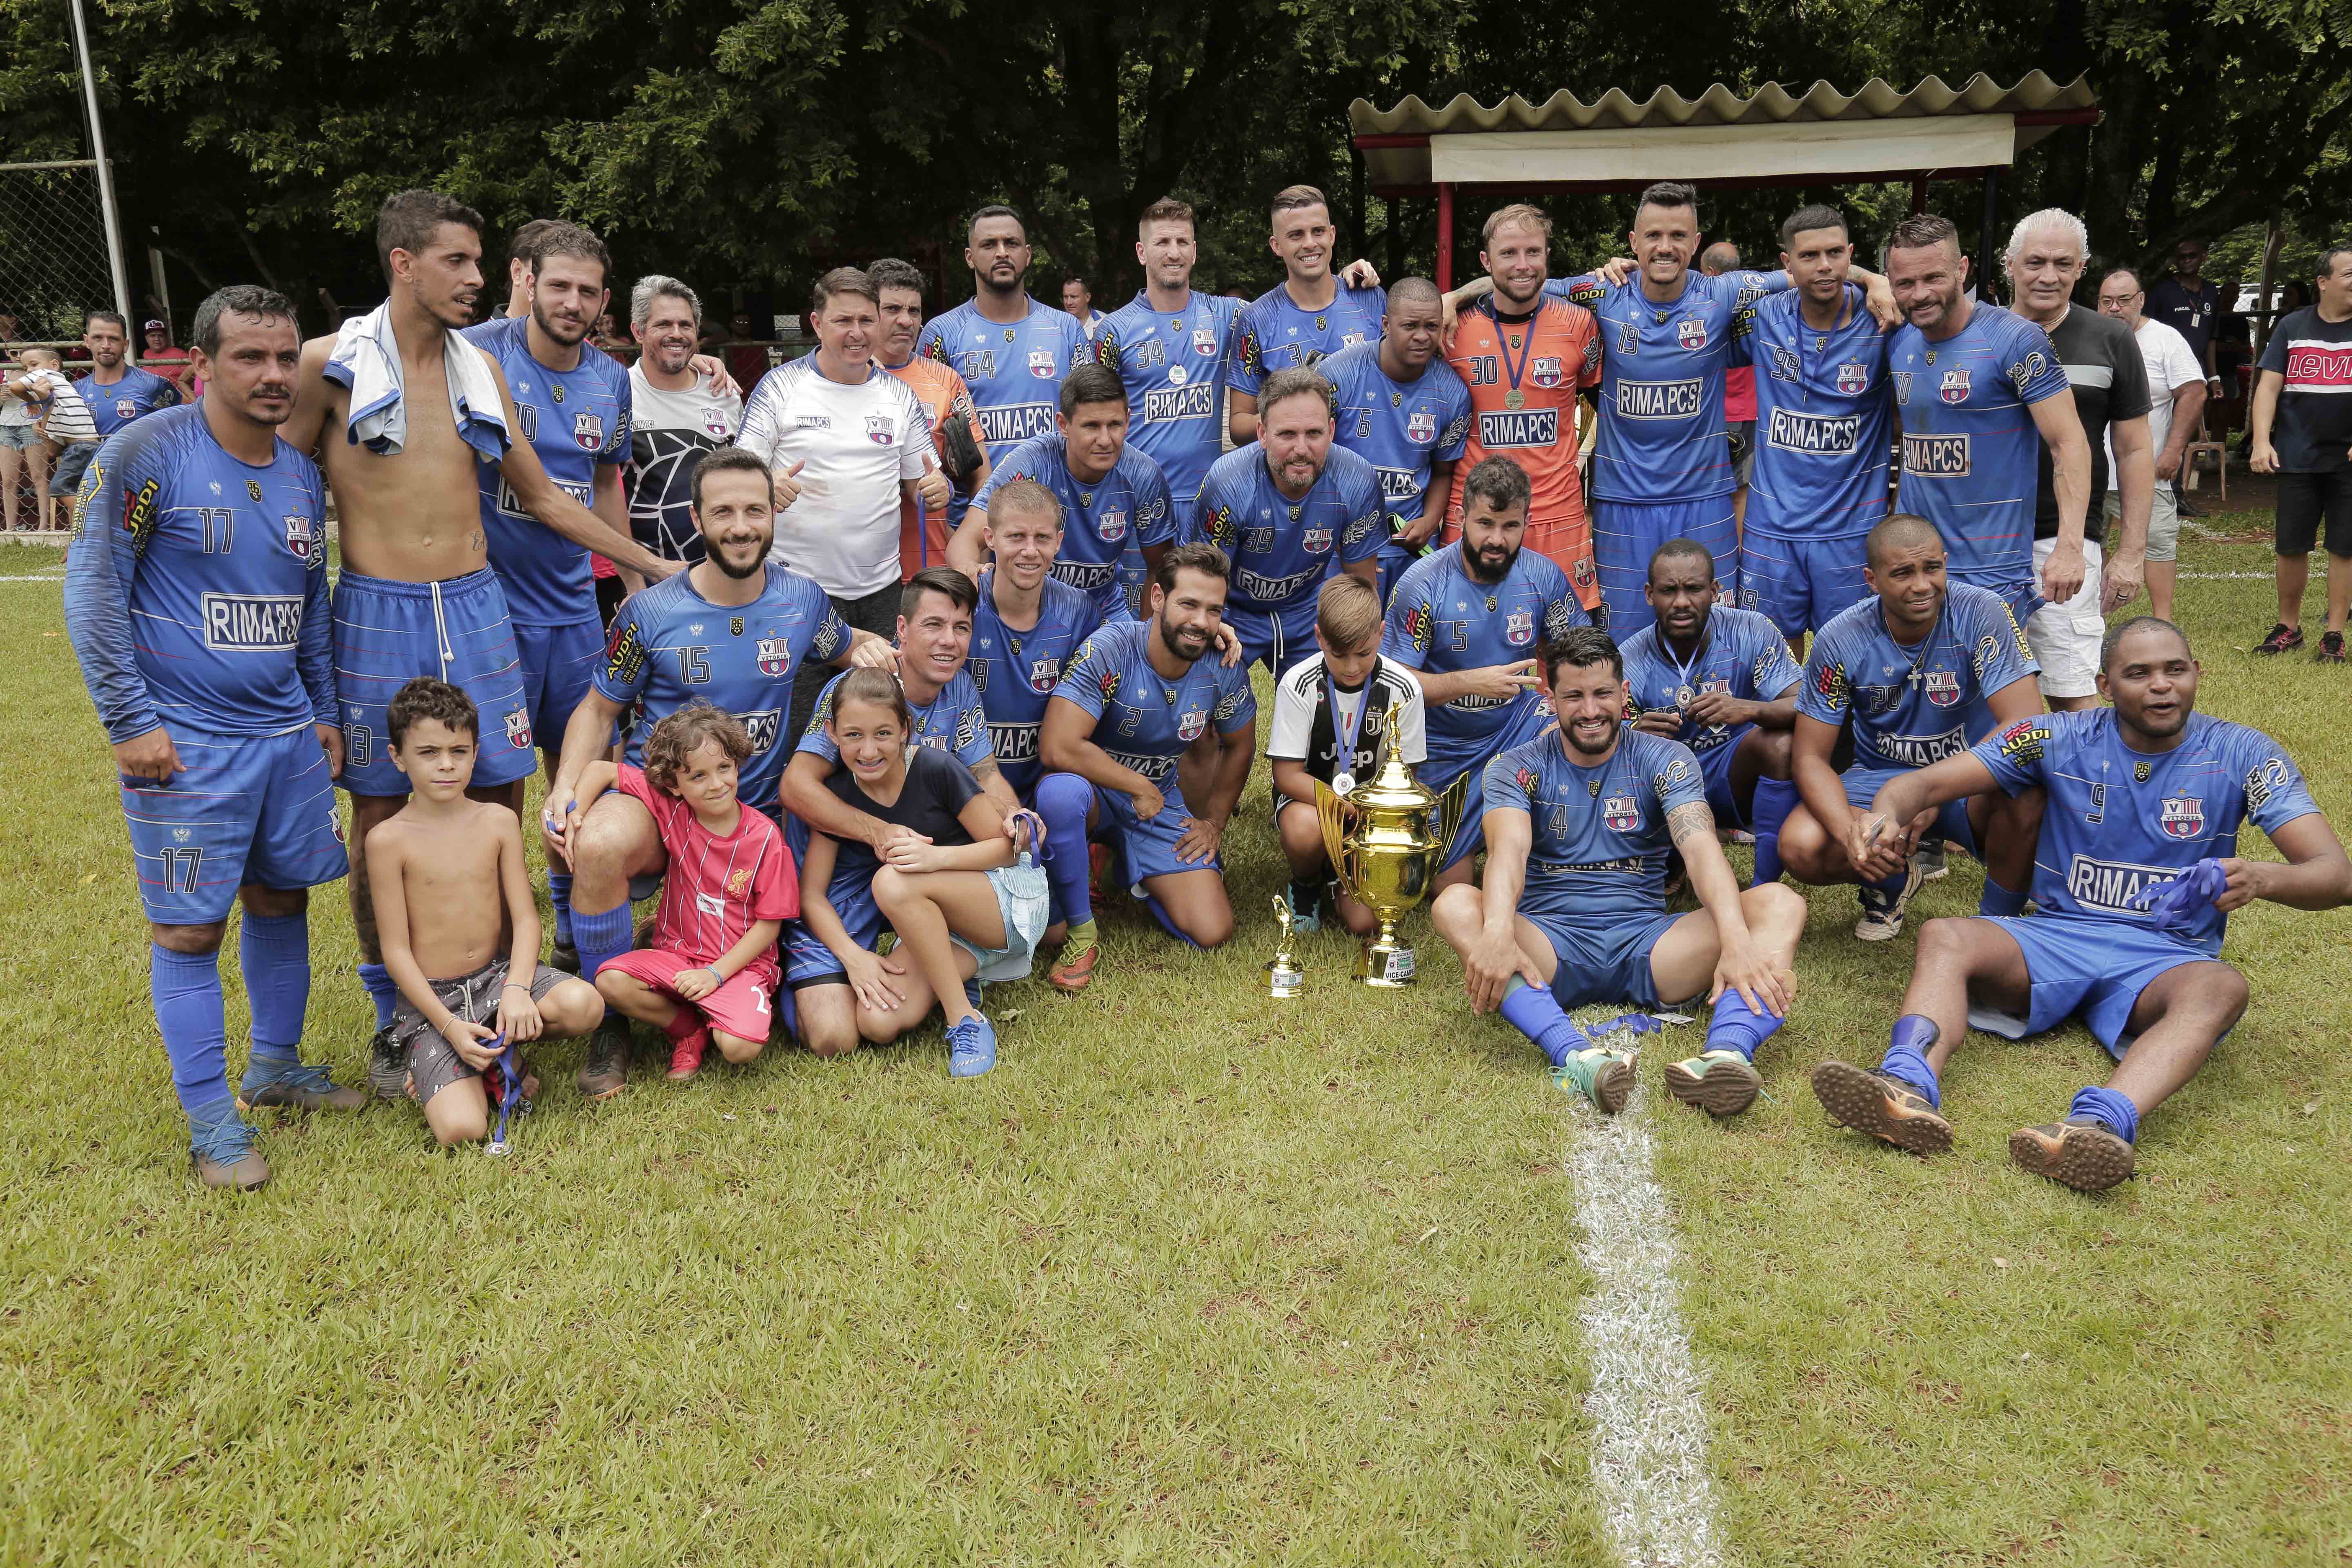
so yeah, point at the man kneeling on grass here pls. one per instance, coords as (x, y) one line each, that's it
(2137, 874)
(1577, 824)
(450, 890)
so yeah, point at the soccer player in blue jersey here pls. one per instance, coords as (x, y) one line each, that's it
(1979, 392)
(1470, 619)
(574, 400)
(1287, 511)
(1137, 697)
(1168, 346)
(1579, 823)
(1921, 670)
(1011, 350)
(2137, 874)
(1824, 410)
(1026, 627)
(1406, 411)
(1312, 313)
(732, 630)
(196, 600)
(117, 393)
(1720, 681)
(1114, 499)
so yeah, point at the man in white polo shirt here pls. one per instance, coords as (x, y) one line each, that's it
(845, 440)
(2176, 381)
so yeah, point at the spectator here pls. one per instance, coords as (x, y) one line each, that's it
(2303, 433)
(923, 535)
(2176, 384)
(747, 358)
(1738, 387)
(24, 394)
(117, 393)
(10, 329)
(1079, 301)
(155, 352)
(65, 424)
(676, 418)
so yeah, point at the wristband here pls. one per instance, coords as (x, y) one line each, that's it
(516, 985)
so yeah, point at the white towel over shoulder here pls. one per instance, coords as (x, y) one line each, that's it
(366, 361)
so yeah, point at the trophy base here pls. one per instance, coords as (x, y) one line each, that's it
(1283, 982)
(1386, 964)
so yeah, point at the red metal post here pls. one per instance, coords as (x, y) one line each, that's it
(1444, 236)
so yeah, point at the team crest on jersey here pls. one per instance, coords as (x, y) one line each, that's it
(1853, 377)
(1204, 341)
(1519, 628)
(125, 409)
(519, 730)
(1041, 362)
(734, 625)
(1190, 722)
(301, 536)
(1421, 426)
(714, 424)
(772, 658)
(2183, 817)
(739, 881)
(1584, 572)
(1954, 387)
(1622, 812)
(1111, 527)
(1044, 674)
(1316, 540)
(587, 430)
(1692, 332)
(1544, 373)
(253, 491)
(1943, 687)
(880, 430)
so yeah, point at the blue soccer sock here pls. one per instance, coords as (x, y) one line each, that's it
(2115, 1110)
(1735, 1027)
(1906, 1056)
(601, 937)
(1892, 886)
(1998, 901)
(1064, 800)
(381, 990)
(559, 894)
(194, 1024)
(1536, 1013)
(1775, 798)
(274, 951)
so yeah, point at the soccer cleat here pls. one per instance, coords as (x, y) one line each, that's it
(1603, 1076)
(1931, 861)
(606, 1071)
(2331, 648)
(388, 1067)
(1075, 969)
(686, 1055)
(564, 956)
(1306, 908)
(2280, 639)
(1882, 912)
(2082, 1153)
(1882, 1105)
(1721, 1083)
(972, 1046)
(297, 1086)
(224, 1154)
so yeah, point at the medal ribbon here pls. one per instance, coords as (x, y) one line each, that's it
(1503, 345)
(1341, 730)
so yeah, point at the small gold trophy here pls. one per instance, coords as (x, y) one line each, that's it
(1284, 978)
(1387, 839)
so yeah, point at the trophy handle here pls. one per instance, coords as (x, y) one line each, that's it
(1331, 813)
(1445, 818)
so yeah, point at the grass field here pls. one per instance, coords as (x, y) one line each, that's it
(1194, 1277)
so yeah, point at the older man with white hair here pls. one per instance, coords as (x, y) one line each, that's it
(2047, 253)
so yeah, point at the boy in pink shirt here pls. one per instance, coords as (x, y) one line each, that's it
(730, 886)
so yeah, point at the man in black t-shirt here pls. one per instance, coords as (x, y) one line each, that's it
(2188, 302)
(2303, 433)
(2046, 257)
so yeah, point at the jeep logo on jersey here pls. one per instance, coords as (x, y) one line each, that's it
(880, 430)
(1544, 373)
(1623, 812)
(1420, 427)
(1519, 628)
(763, 727)
(587, 431)
(252, 623)
(1936, 457)
(1179, 402)
(1853, 376)
(1954, 387)
(1041, 363)
(1943, 687)
(771, 655)
(519, 730)
(1658, 399)
(2183, 817)
(1111, 526)
(1190, 722)
(300, 536)
(1691, 332)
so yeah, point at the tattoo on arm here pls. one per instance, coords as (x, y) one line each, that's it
(1691, 817)
(985, 770)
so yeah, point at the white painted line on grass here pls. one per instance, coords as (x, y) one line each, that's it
(2227, 576)
(58, 576)
(1649, 1451)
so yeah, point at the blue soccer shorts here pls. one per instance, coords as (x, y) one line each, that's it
(1146, 850)
(1715, 772)
(1449, 761)
(1282, 639)
(1951, 825)
(557, 662)
(1799, 585)
(388, 634)
(2086, 966)
(1626, 533)
(1603, 959)
(251, 809)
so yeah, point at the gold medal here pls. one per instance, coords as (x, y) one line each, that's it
(1514, 398)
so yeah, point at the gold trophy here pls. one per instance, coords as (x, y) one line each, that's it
(1386, 839)
(1284, 978)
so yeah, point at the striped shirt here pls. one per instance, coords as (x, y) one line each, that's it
(716, 888)
(68, 416)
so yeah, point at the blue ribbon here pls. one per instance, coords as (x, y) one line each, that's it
(2175, 907)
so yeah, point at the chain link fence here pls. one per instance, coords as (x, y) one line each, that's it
(53, 257)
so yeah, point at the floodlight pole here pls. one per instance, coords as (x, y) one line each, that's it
(105, 169)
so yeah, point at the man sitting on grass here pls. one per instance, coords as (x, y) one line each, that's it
(2136, 877)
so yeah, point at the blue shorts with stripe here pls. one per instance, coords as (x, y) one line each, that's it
(1951, 825)
(1283, 638)
(1448, 762)
(2086, 966)
(1800, 583)
(556, 664)
(1714, 769)
(1625, 534)
(249, 809)
(1603, 961)
(388, 634)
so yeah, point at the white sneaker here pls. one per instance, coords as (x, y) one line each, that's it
(1881, 915)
